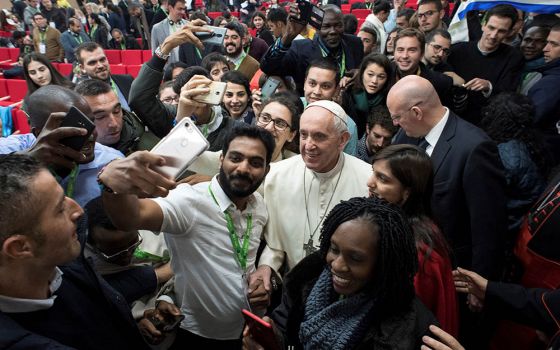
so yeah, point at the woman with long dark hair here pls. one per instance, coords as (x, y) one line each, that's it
(38, 71)
(403, 175)
(258, 22)
(98, 31)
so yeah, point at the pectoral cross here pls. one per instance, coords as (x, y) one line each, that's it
(308, 247)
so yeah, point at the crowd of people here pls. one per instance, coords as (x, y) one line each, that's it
(395, 188)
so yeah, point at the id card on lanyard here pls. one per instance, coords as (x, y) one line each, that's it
(42, 44)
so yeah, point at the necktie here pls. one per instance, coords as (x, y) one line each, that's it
(423, 143)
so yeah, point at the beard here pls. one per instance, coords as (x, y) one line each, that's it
(233, 191)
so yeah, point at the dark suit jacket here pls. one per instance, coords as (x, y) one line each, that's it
(295, 61)
(188, 55)
(468, 201)
(123, 82)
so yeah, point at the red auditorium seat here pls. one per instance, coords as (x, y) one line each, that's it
(345, 8)
(213, 15)
(14, 54)
(4, 54)
(133, 69)
(65, 68)
(146, 55)
(20, 120)
(235, 14)
(17, 88)
(117, 69)
(131, 57)
(4, 95)
(140, 42)
(361, 13)
(114, 56)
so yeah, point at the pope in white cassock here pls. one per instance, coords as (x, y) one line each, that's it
(300, 191)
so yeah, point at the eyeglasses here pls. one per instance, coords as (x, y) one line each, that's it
(170, 99)
(426, 14)
(439, 48)
(397, 117)
(121, 254)
(280, 124)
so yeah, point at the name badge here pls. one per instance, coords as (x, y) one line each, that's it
(42, 48)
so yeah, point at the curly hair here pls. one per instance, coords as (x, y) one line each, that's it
(509, 116)
(397, 260)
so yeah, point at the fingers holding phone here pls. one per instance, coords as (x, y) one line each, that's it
(256, 98)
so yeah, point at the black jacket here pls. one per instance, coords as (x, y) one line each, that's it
(399, 331)
(468, 200)
(123, 82)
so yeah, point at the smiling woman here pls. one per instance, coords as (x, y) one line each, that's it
(364, 267)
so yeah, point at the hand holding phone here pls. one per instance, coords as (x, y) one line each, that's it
(214, 96)
(261, 331)
(77, 119)
(216, 37)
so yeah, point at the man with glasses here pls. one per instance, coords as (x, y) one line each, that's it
(468, 200)
(438, 48)
(430, 15)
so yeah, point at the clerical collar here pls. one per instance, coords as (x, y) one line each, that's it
(20, 305)
(333, 171)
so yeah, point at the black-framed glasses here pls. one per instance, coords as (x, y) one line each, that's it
(397, 117)
(439, 48)
(123, 253)
(170, 99)
(279, 124)
(426, 14)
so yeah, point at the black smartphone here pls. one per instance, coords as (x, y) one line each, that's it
(269, 88)
(77, 119)
(309, 14)
(215, 38)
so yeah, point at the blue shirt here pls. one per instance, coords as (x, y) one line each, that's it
(86, 182)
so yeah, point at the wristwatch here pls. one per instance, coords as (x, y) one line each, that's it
(160, 54)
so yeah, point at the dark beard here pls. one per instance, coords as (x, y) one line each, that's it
(233, 193)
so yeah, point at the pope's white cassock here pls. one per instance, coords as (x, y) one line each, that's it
(298, 199)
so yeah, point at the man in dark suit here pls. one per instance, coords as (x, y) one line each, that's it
(120, 41)
(289, 57)
(94, 63)
(468, 200)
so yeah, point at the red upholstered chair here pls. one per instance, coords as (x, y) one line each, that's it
(235, 14)
(131, 57)
(114, 56)
(117, 69)
(20, 121)
(17, 88)
(133, 69)
(146, 55)
(4, 54)
(4, 95)
(65, 68)
(361, 13)
(14, 53)
(213, 15)
(354, 1)
(346, 8)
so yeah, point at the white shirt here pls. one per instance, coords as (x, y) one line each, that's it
(209, 283)
(434, 134)
(19, 305)
(288, 228)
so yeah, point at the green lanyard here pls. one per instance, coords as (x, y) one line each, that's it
(93, 30)
(243, 55)
(114, 87)
(79, 39)
(71, 187)
(43, 35)
(240, 254)
(341, 65)
(369, 5)
(123, 46)
(198, 53)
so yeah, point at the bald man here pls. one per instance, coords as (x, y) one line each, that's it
(468, 200)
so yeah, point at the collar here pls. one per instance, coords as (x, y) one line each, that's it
(485, 53)
(215, 120)
(433, 136)
(331, 173)
(223, 200)
(324, 47)
(19, 305)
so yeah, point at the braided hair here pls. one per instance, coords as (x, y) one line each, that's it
(397, 260)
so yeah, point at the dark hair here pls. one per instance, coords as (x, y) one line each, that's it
(510, 116)
(96, 19)
(381, 5)
(411, 33)
(407, 12)
(92, 87)
(547, 20)
(168, 71)
(438, 31)
(332, 8)
(395, 30)
(172, 3)
(198, 15)
(165, 85)
(253, 132)
(18, 212)
(277, 15)
(292, 102)
(49, 99)
(380, 60)
(438, 4)
(555, 28)
(186, 75)
(237, 27)
(38, 14)
(392, 285)
(18, 34)
(210, 60)
(258, 14)
(324, 63)
(502, 11)
(56, 77)
(97, 217)
(350, 23)
(380, 115)
(113, 8)
(238, 78)
(413, 168)
(218, 20)
(371, 32)
(88, 46)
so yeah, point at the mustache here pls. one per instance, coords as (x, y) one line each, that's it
(240, 177)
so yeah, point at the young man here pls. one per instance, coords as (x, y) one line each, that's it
(50, 296)
(160, 31)
(72, 38)
(233, 48)
(213, 231)
(379, 133)
(47, 39)
(430, 15)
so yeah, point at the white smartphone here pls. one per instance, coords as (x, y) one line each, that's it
(216, 94)
(180, 148)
